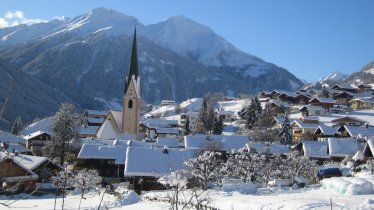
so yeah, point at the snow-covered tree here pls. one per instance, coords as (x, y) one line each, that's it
(205, 167)
(300, 165)
(177, 181)
(65, 127)
(217, 125)
(210, 116)
(85, 180)
(62, 181)
(241, 165)
(17, 126)
(285, 133)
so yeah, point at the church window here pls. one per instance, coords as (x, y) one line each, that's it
(130, 104)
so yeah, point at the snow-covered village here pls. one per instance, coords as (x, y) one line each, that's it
(101, 111)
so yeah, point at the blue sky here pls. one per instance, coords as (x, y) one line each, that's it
(309, 38)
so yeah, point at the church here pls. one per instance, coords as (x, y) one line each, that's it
(125, 125)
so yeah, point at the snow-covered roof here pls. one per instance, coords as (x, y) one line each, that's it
(88, 130)
(162, 130)
(355, 131)
(314, 108)
(326, 130)
(218, 142)
(305, 125)
(33, 135)
(341, 147)
(274, 148)
(115, 151)
(323, 100)
(344, 86)
(231, 107)
(348, 118)
(289, 94)
(159, 123)
(118, 118)
(41, 125)
(26, 177)
(30, 162)
(169, 142)
(95, 120)
(154, 162)
(315, 149)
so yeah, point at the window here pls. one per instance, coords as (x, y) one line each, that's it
(130, 104)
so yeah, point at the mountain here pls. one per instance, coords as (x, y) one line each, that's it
(87, 57)
(335, 76)
(364, 76)
(26, 96)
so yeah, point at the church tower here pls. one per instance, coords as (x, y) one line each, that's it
(131, 97)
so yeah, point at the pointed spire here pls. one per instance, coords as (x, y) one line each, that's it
(133, 68)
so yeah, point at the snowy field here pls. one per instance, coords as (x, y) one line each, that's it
(313, 197)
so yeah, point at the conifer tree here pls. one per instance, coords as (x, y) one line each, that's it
(186, 128)
(285, 132)
(218, 125)
(201, 119)
(209, 123)
(17, 126)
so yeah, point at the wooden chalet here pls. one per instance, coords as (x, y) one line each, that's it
(323, 132)
(364, 88)
(310, 110)
(344, 87)
(369, 149)
(343, 98)
(326, 103)
(16, 177)
(301, 130)
(339, 148)
(287, 97)
(361, 103)
(348, 120)
(347, 131)
(302, 98)
(36, 141)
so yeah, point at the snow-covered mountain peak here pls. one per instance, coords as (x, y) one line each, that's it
(335, 76)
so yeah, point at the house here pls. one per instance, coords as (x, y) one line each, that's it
(343, 98)
(369, 149)
(295, 108)
(160, 128)
(228, 110)
(264, 94)
(347, 131)
(226, 115)
(323, 132)
(275, 93)
(344, 87)
(309, 119)
(361, 103)
(364, 88)
(348, 120)
(41, 166)
(14, 176)
(277, 106)
(326, 103)
(143, 166)
(339, 148)
(36, 141)
(287, 97)
(310, 110)
(192, 120)
(301, 130)
(315, 150)
(88, 131)
(314, 93)
(302, 98)
(106, 156)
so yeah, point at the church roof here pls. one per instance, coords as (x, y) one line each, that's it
(133, 68)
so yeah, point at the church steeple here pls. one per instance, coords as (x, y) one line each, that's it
(131, 96)
(133, 67)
